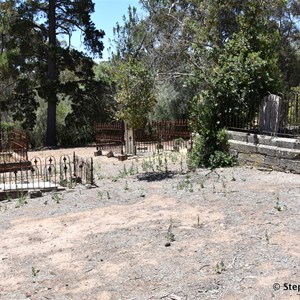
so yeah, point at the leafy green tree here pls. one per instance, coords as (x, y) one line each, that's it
(245, 69)
(153, 41)
(130, 37)
(135, 94)
(172, 101)
(7, 73)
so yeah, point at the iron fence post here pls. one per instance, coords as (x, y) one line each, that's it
(92, 171)
(74, 164)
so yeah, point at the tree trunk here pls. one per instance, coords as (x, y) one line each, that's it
(52, 76)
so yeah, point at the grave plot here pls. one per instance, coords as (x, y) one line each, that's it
(168, 135)
(13, 150)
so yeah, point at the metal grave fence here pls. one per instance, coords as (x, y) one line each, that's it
(13, 145)
(48, 173)
(110, 136)
(277, 115)
(154, 136)
(169, 135)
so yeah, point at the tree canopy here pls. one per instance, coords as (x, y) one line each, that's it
(36, 48)
(217, 56)
(196, 58)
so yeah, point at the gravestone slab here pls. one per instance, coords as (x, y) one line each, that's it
(270, 114)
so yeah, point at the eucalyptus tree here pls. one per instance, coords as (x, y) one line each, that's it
(152, 40)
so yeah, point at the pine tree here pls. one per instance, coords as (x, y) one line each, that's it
(35, 36)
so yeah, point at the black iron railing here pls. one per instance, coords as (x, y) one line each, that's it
(277, 115)
(46, 173)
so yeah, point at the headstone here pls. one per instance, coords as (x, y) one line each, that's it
(270, 114)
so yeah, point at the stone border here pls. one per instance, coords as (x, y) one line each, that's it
(276, 153)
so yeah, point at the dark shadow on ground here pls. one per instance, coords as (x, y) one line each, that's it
(156, 176)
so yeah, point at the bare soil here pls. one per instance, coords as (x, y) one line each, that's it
(152, 230)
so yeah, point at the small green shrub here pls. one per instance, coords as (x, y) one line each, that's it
(211, 151)
(220, 267)
(22, 200)
(220, 159)
(170, 235)
(34, 271)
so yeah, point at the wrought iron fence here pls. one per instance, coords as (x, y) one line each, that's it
(110, 136)
(155, 136)
(242, 117)
(48, 173)
(277, 115)
(290, 115)
(163, 135)
(13, 145)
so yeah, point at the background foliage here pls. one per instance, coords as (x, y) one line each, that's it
(187, 58)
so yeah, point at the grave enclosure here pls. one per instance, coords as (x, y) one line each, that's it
(19, 175)
(264, 134)
(116, 137)
(270, 137)
(267, 137)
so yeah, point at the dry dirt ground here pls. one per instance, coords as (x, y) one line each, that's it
(152, 230)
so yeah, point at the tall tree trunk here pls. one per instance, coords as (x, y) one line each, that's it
(52, 76)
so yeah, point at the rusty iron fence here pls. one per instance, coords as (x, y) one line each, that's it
(154, 136)
(13, 145)
(110, 136)
(169, 135)
(48, 173)
(279, 116)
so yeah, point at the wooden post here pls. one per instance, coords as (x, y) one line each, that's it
(129, 140)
